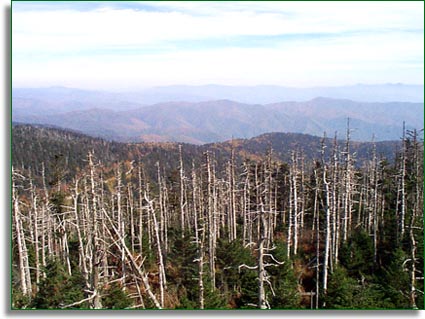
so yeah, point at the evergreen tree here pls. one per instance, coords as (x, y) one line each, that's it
(341, 288)
(115, 298)
(59, 289)
(284, 282)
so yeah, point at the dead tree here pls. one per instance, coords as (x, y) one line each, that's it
(416, 218)
(23, 258)
(82, 261)
(247, 226)
(161, 268)
(374, 208)
(200, 241)
(264, 259)
(121, 245)
(183, 203)
(335, 218)
(211, 211)
(35, 227)
(402, 174)
(95, 240)
(348, 187)
(317, 229)
(294, 201)
(231, 196)
(327, 224)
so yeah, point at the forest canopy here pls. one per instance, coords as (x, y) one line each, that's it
(106, 225)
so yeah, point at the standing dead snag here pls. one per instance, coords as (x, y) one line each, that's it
(348, 185)
(182, 193)
(262, 263)
(23, 258)
(82, 262)
(231, 196)
(416, 216)
(374, 208)
(35, 229)
(333, 203)
(95, 241)
(121, 245)
(211, 211)
(140, 208)
(327, 224)
(161, 268)
(264, 242)
(246, 204)
(403, 185)
(199, 225)
(294, 202)
(317, 228)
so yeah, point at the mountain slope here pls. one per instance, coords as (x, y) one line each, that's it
(33, 145)
(214, 121)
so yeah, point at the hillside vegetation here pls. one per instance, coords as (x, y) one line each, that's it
(280, 221)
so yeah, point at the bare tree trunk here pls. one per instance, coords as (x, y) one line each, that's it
(403, 186)
(374, 175)
(200, 244)
(161, 268)
(317, 228)
(303, 194)
(262, 301)
(161, 204)
(412, 295)
(120, 219)
(182, 197)
(334, 208)
(290, 221)
(328, 228)
(347, 185)
(211, 219)
(47, 220)
(130, 205)
(102, 234)
(82, 258)
(417, 209)
(140, 191)
(97, 303)
(164, 222)
(246, 207)
(295, 200)
(34, 201)
(232, 204)
(23, 260)
(136, 267)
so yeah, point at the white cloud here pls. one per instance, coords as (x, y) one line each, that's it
(374, 42)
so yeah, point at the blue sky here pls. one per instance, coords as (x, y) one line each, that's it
(130, 45)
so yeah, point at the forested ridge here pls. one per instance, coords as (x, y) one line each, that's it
(34, 145)
(244, 224)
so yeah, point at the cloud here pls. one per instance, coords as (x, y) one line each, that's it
(153, 43)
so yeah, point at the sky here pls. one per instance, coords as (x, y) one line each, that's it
(129, 45)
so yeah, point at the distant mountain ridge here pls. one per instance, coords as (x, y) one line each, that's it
(259, 94)
(266, 94)
(210, 121)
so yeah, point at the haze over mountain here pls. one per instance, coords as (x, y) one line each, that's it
(264, 94)
(127, 117)
(260, 94)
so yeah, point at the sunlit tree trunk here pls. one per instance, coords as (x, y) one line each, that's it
(327, 225)
(23, 259)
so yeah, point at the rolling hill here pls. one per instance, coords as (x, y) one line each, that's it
(34, 144)
(221, 120)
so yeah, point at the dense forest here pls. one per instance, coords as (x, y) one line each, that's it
(317, 224)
